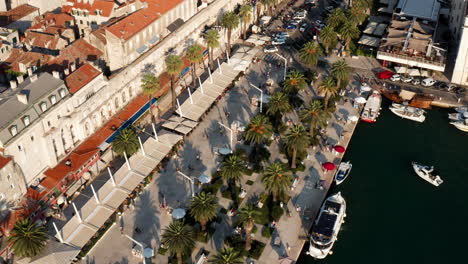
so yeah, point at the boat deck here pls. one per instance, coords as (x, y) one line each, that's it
(325, 224)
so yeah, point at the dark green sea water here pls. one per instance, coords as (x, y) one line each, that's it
(393, 216)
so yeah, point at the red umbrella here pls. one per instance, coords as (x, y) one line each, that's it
(339, 149)
(328, 166)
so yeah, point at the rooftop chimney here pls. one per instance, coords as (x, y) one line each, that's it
(13, 84)
(56, 74)
(33, 77)
(72, 67)
(30, 72)
(66, 71)
(20, 79)
(23, 98)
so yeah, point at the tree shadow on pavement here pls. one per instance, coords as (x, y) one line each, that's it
(124, 260)
(188, 160)
(146, 221)
(223, 230)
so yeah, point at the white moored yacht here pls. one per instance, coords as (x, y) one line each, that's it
(461, 124)
(372, 108)
(427, 173)
(326, 226)
(408, 112)
(343, 171)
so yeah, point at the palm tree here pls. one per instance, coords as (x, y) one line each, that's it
(310, 53)
(296, 140)
(328, 37)
(348, 31)
(150, 84)
(329, 88)
(173, 68)
(336, 18)
(276, 180)
(126, 141)
(278, 105)
(28, 239)
(232, 168)
(194, 56)
(247, 216)
(258, 130)
(295, 81)
(245, 13)
(356, 15)
(314, 115)
(203, 208)
(212, 41)
(229, 21)
(340, 70)
(227, 255)
(178, 238)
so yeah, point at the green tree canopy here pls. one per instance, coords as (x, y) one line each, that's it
(295, 81)
(178, 238)
(329, 88)
(28, 239)
(247, 216)
(227, 255)
(229, 21)
(212, 41)
(173, 68)
(296, 140)
(310, 53)
(276, 180)
(126, 141)
(258, 130)
(203, 208)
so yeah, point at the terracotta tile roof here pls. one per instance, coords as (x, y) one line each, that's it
(51, 19)
(16, 13)
(4, 161)
(83, 153)
(106, 6)
(42, 39)
(79, 52)
(28, 58)
(128, 26)
(81, 77)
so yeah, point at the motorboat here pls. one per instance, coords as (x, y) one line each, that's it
(427, 173)
(408, 112)
(461, 124)
(458, 116)
(365, 87)
(461, 109)
(326, 226)
(343, 171)
(372, 108)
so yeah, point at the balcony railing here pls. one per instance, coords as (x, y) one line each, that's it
(440, 63)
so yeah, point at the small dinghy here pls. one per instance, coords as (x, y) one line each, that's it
(427, 173)
(343, 171)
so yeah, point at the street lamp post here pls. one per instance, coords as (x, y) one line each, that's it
(231, 134)
(285, 65)
(261, 96)
(191, 183)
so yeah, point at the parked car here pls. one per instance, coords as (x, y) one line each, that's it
(285, 34)
(407, 79)
(385, 75)
(416, 81)
(329, 8)
(303, 27)
(395, 77)
(295, 22)
(270, 49)
(278, 42)
(290, 26)
(428, 82)
(451, 87)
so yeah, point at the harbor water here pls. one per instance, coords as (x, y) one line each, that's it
(393, 216)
